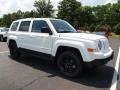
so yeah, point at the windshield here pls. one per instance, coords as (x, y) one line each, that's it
(62, 26)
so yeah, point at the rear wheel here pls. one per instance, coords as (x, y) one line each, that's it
(70, 64)
(14, 51)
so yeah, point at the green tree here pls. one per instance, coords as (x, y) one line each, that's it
(115, 14)
(6, 20)
(106, 28)
(117, 28)
(85, 16)
(106, 16)
(67, 10)
(92, 28)
(44, 8)
(118, 1)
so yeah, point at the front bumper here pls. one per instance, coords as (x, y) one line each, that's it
(98, 62)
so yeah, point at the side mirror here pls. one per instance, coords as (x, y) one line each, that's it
(46, 30)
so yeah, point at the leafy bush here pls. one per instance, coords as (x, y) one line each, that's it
(117, 28)
(92, 28)
(105, 28)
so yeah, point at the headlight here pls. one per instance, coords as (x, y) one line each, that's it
(99, 45)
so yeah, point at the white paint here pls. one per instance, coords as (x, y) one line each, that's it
(4, 52)
(114, 80)
(45, 43)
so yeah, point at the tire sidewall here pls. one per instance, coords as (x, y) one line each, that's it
(14, 51)
(77, 59)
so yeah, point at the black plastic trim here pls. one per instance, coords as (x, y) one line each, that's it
(37, 54)
(99, 62)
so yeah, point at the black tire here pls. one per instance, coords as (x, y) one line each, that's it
(69, 63)
(14, 51)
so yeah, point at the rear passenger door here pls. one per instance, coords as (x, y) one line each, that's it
(41, 42)
(23, 34)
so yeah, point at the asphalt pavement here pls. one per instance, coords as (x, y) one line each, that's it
(31, 73)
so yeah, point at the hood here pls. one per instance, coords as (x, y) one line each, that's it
(82, 36)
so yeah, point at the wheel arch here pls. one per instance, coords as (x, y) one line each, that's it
(61, 49)
(78, 46)
(11, 41)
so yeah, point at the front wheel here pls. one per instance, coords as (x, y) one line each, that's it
(69, 63)
(14, 51)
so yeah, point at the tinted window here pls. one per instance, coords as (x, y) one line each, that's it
(14, 26)
(63, 26)
(37, 25)
(24, 26)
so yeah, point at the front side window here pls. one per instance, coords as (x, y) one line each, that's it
(24, 26)
(14, 26)
(62, 26)
(38, 24)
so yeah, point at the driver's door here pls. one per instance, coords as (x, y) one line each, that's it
(41, 42)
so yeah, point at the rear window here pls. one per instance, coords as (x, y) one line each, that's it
(24, 26)
(14, 26)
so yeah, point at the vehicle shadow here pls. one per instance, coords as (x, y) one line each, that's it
(99, 78)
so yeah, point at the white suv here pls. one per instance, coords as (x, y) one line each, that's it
(57, 40)
(3, 33)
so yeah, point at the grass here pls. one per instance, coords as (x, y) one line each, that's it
(113, 35)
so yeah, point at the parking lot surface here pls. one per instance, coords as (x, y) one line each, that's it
(31, 73)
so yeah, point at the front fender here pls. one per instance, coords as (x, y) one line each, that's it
(78, 45)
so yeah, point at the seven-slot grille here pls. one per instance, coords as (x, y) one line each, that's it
(105, 44)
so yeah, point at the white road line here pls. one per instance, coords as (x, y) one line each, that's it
(114, 80)
(4, 52)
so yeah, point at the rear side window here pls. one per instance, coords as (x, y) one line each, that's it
(14, 26)
(24, 26)
(37, 25)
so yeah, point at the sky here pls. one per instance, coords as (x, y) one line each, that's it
(9, 6)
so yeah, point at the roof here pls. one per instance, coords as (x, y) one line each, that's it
(34, 19)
